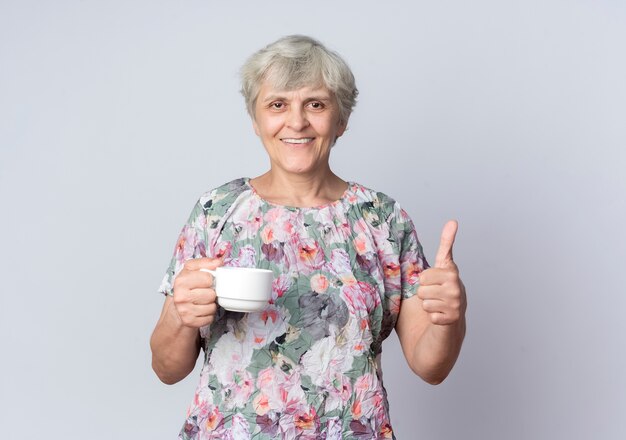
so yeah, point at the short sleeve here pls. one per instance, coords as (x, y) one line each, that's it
(411, 255)
(191, 243)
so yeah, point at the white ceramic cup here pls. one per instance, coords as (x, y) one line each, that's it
(242, 289)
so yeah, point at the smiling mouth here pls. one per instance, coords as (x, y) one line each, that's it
(297, 141)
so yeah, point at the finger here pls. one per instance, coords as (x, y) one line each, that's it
(203, 263)
(194, 279)
(203, 296)
(429, 292)
(433, 306)
(441, 319)
(444, 254)
(200, 322)
(436, 276)
(195, 316)
(204, 311)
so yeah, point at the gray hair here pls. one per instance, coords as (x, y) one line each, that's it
(299, 61)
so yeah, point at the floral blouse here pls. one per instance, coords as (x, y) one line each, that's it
(306, 366)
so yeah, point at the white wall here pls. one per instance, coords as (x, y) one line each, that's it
(509, 116)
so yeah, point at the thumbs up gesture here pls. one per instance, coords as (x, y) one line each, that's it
(441, 290)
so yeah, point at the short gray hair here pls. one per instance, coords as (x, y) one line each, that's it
(299, 61)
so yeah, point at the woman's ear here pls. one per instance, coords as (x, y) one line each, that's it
(341, 128)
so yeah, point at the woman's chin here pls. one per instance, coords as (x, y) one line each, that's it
(300, 167)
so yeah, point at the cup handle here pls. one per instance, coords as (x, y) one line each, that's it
(212, 272)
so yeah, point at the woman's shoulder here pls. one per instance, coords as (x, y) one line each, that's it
(223, 195)
(369, 201)
(362, 195)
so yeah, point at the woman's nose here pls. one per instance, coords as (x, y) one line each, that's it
(296, 119)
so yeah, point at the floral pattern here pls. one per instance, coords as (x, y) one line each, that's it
(306, 366)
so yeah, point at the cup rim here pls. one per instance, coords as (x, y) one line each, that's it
(247, 269)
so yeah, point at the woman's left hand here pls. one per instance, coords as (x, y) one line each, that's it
(441, 290)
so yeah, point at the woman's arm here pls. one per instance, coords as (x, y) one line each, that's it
(431, 325)
(430, 349)
(175, 347)
(175, 342)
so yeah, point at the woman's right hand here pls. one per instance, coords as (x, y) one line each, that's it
(194, 296)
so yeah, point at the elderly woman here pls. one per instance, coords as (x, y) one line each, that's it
(347, 264)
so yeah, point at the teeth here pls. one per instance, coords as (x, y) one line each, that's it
(297, 141)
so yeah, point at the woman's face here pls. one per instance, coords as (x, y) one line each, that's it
(297, 127)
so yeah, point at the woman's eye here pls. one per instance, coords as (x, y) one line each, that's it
(316, 105)
(277, 105)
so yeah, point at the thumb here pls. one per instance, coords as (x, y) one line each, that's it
(444, 254)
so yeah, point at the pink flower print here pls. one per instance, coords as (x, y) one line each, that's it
(360, 227)
(247, 219)
(200, 222)
(188, 246)
(369, 395)
(411, 268)
(261, 404)
(391, 271)
(361, 429)
(394, 304)
(230, 354)
(307, 423)
(310, 254)
(246, 257)
(362, 384)
(273, 251)
(241, 388)
(240, 430)
(267, 234)
(333, 429)
(339, 392)
(210, 417)
(326, 364)
(348, 279)
(273, 215)
(386, 431)
(362, 244)
(222, 250)
(282, 390)
(270, 314)
(358, 335)
(344, 388)
(281, 221)
(280, 285)
(287, 228)
(268, 424)
(369, 263)
(248, 228)
(361, 298)
(319, 283)
(339, 263)
(265, 326)
(190, 429)
(356, 409)
(265, 379)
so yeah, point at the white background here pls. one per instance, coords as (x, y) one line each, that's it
(509, 116)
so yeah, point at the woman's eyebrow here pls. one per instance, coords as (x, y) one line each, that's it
(274, 97)
(322, 97)
(318, 98)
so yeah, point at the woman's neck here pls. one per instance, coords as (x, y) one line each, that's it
(298, 189)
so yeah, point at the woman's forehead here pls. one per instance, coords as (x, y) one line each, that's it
(269, 91)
